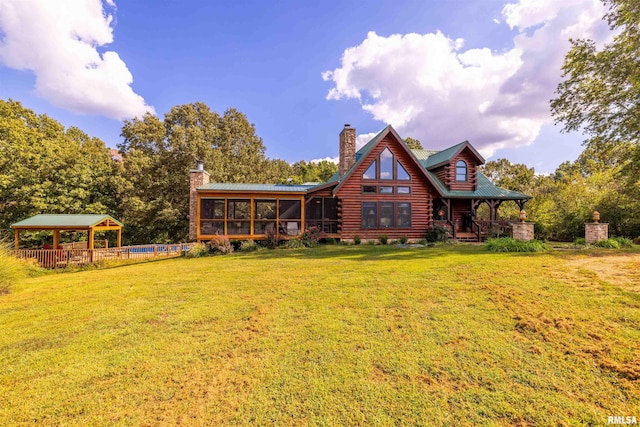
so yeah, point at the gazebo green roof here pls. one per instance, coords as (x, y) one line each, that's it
(64, 221)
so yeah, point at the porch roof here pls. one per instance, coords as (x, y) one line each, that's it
(485, 190)
(269, 188)
(67, 221)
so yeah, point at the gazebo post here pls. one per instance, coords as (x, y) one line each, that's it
(119, 237)
(17, 239)
(56, 239)
(90, 242)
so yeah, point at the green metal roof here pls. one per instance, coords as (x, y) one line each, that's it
(285, 188)
(485, 190)
(63, 220)
(443, 156)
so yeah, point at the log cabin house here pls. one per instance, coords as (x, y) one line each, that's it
(383, 188)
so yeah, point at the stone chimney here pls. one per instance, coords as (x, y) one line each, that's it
(347, 149)
(197, 177)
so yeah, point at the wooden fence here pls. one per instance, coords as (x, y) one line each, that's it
(62, 258)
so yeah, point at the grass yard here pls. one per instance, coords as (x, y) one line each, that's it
(359, 335)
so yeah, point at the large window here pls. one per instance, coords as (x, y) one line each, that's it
(402, 174)
(461, 170)
(386, 215)
(369, 215)
(403, 215)
(386, 164)
(370, 173)
(385, 168)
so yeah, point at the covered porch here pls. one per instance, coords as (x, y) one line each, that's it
(461, 217)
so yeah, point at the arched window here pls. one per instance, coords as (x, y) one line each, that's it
(461, 171)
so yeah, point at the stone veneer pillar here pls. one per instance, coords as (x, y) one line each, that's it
(523, 231)
(197, 177)
(596, 231)
(347, 149)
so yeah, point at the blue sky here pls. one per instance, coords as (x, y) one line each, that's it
(441, 71)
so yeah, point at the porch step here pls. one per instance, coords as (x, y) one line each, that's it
(466, 237)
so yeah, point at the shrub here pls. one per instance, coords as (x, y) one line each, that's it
(608, 244)
(383, 239)
(248, 246)
(623, 242)
(580, 241)
(509, 244)
(357, 240)
(636, 241)
(311, 236)
(404, 240)
(198, 250)
(540, 231)
(438, 233)
(295, 243)
(330, 241)
(220, 245)
(272, 241)
(371, 242)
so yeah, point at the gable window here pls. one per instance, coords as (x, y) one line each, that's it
(461, 170)
(386, 164)
(386, 190)
(404, 190)
(370, 173)
(403, 175)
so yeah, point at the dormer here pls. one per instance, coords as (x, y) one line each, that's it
(456, 167)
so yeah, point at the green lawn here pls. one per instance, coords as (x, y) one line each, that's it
(359, 335)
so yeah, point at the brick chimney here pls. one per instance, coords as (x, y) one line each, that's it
(197, 177)
(347, 149)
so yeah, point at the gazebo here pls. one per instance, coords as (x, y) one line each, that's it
(57, 223)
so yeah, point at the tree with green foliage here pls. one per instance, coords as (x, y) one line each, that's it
(45, 168)
(320, 171)
(413, 143)
(158, 155)
(600, 96)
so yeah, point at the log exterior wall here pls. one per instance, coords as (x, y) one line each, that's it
(351, 197)
(447, 173)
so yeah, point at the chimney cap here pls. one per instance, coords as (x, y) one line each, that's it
(347, 125)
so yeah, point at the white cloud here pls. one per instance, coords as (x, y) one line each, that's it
(59, 40)
(328, 159)
(428, 87)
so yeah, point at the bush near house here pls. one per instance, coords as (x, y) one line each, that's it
(509, 244)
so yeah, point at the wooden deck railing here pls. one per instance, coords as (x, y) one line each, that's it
(62, 258)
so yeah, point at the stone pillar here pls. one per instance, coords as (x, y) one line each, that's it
(197, 178)
(347, 149)
(595, 231)
(523, 231)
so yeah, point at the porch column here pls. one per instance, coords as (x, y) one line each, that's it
(17, 239)
(119, 237)
(90, 242)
